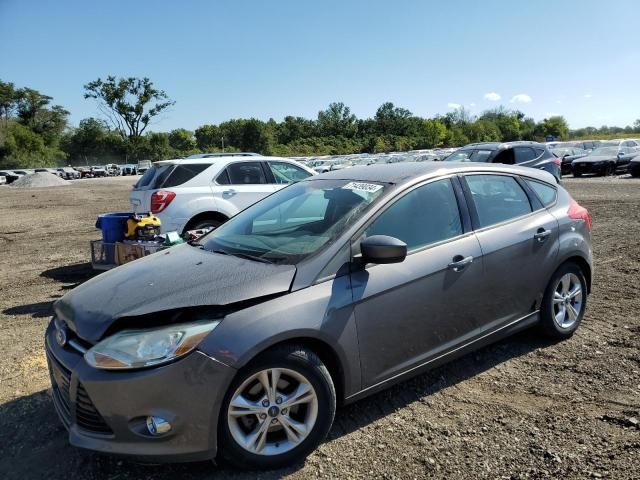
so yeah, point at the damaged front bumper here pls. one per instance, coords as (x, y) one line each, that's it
(106, 411)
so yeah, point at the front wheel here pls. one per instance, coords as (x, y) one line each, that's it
(564, 302)
(278, 410)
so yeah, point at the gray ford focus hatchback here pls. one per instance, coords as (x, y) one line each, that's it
(241, 345)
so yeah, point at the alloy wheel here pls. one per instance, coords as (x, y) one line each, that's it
(567, 301)
(272, 411)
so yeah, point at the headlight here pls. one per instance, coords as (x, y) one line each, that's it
(144, 348)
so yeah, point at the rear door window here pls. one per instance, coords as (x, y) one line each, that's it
(546, 193)
(497, 198)
(246, 173)
(524, 154)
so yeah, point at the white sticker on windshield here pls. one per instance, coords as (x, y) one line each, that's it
(363, 187)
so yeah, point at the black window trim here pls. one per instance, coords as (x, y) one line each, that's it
(475, 219)
(355, 239)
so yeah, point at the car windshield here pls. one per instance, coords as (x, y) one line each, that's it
(605, 151)
(469, 156)
(296, 222)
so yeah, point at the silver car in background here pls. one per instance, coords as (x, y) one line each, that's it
(326, 291)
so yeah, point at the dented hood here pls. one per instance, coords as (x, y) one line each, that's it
(179, 277)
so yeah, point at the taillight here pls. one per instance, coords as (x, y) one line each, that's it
(557, 161)
(578, 212)
(161, 200)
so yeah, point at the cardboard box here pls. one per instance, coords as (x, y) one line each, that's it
(126, 253)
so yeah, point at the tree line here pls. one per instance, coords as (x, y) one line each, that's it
(35, 132)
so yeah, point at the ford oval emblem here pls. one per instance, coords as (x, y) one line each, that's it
(61, 337)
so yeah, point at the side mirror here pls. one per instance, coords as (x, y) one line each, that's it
(620, 154)
(383, 249)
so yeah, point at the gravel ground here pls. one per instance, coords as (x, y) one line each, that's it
(523, 408)
(38, 179)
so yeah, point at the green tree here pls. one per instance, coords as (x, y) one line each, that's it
(255, 137)
(555, 126)
(182, 140)
(337, 120)
(130, 104)
(208, 138)
(9, 99)
(392, 120)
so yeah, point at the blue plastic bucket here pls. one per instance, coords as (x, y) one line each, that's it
(113, 226)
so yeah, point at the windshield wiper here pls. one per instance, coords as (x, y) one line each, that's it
(243, 255)
(252, 257)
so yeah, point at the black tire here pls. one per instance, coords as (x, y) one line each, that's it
(306, 363)
(635, 173)
(206, 223)
(548, 323)
(577, 174)
(611, 170)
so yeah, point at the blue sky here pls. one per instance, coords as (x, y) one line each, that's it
(222, 59)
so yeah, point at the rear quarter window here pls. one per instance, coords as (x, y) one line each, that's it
(546, 193)
(182, 173)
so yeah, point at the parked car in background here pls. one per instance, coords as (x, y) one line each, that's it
(621, 142)
(143, 166)
(52, 171)
(329, 164)
(23, 172)
(85, 172)
(129, 170)
(98, 171)
(568, 155)
(112, 169)
(244, 343)
(189, 194)
(604, 160)
(634, 166)
(9, 176)
(69, 173)
(587, 145)
(526, 154)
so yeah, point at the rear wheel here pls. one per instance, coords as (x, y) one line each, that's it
(564, 302)
(277, 410)
(577, 174)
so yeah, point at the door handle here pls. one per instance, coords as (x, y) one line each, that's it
(542, 234)
(459, 263)
(229, 193)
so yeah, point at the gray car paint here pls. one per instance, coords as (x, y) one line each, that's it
(183, 276)
(342, 308)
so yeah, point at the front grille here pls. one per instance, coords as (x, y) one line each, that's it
(82, 409)
(87, 417)
(61, 386)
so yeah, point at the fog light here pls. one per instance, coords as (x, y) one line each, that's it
(157, 425)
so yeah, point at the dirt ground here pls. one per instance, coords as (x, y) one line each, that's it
(523, 408)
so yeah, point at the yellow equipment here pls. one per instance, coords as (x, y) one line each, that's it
(142, 227)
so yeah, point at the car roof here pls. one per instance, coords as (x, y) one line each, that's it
(499, 145)
(221, 159)
(405, 172)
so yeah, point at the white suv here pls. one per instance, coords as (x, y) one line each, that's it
(193, 193)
